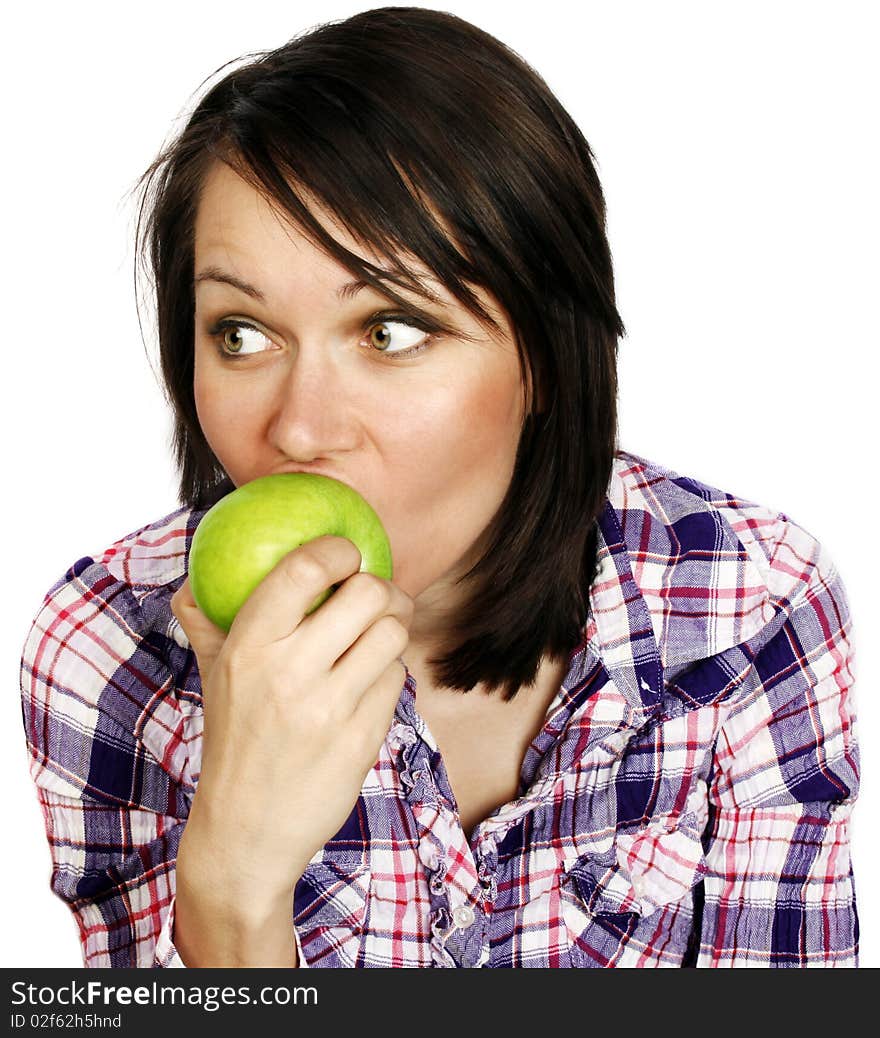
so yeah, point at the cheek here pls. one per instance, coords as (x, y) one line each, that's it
(457, 430)
(228, 427)
(211, 407)
(452, 459)
(478, 426)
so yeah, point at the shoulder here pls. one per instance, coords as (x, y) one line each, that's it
(105, 663)
(714, 568)
(146, 560)
(129, 583)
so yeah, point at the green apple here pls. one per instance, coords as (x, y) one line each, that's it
(246, 534)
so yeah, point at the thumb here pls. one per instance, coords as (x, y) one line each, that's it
(205, 637)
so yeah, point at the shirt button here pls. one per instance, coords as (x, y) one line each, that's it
(463, 916)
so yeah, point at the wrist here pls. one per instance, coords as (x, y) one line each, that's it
(247, 857)
(233, 934)
(242, 884)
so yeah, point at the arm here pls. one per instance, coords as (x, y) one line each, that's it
(106, 737)
(115, 868)
(779, 890)
(221, 921)
(109, 735)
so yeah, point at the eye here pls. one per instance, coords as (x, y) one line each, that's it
(397, 337)
(237, 338)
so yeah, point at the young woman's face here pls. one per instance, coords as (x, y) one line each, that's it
(297, 380)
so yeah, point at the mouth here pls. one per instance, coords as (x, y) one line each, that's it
(315, 472)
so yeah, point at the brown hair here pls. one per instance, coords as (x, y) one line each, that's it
(425, 135)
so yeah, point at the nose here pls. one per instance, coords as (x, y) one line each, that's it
(312, 416)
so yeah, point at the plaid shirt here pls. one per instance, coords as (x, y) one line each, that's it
(686, 803)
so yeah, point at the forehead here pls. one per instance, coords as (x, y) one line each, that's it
(232, 211)
(232, 216)
(238, 224)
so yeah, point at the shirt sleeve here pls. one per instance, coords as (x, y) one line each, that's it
(108, 704)
(779, 888)
(107, 742)
(114, 867)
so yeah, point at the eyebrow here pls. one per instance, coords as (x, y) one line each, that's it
(347, 291)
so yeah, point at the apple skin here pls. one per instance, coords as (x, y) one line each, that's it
(246, 534)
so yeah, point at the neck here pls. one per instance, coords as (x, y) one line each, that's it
(437, 699)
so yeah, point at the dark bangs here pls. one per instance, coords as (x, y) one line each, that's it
(426, 137)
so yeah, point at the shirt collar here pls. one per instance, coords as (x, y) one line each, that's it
(619, 629)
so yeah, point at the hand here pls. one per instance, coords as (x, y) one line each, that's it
(295, 712)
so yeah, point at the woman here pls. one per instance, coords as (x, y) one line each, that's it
(602, 715)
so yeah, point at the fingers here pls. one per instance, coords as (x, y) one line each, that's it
(375, 650)
(354, 637)
(205, 637)
(374, 711)
(361, 600)
(279, 602)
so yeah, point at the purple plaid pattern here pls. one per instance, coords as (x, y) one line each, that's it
(686, 803)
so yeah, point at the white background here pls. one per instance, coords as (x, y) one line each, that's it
(736, 144)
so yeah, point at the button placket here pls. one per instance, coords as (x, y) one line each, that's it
(442, 929)
(455, 941)
(463, 916)
(432, 853)
(449, 947)
(487, 868)
(468, 941)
